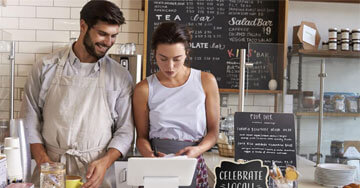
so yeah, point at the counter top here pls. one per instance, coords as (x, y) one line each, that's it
(305, 167)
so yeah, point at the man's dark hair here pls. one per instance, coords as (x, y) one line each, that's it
(101, 10)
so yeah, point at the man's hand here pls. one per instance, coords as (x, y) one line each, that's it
(39, 154)
(97, 169)
(95, 173)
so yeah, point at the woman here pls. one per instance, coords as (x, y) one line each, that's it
(177, 109)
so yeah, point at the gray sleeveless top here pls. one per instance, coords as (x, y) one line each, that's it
(177, 113)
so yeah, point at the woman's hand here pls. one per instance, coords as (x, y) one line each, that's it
(190, 151)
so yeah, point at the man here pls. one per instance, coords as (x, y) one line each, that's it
(77, 103)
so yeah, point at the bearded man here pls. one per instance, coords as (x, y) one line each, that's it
(77, 102)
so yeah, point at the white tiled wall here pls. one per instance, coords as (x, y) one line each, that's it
(252, 103)
(41, 26)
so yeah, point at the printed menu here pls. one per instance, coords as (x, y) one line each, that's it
(266, 136)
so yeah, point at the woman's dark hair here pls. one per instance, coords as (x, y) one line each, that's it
(102, 10)
(171, 33)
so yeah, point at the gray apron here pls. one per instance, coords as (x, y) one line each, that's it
(77, 122)
(168, 146)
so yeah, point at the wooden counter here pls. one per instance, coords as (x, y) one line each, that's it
(305, 167)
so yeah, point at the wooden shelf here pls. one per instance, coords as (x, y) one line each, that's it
(328, 114)
(252, 91)
(327, 53)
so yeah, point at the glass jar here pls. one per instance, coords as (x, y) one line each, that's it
(332, 44)
(332, 33)
(345, 45)
(345, 34)
(355, 34)
(52, 175)
(356, 45)
(325, 45)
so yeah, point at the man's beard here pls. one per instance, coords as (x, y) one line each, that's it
(90, 47)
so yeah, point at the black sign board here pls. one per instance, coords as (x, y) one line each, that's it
(248, 174)
(266, 136)
(220, 28)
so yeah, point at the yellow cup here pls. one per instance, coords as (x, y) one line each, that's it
(73, 182)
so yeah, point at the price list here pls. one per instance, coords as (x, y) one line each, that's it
(266, 136)
(220, 28)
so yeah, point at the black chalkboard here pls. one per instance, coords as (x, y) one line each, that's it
(249, 174)
(266, 136)
(220, 29)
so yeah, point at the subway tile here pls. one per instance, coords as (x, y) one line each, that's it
(62, 24)
(141, 15)
(38, 57)
(9, 23)
(117, 3)
(133, 26)
(70, 3)
(18, 11)
(5, 47)
(17, 105)
(75, 13)
(53, 36)
(24, 59)
(256, 109)
(20, 81)
(36, 2)
(4, 105)
(4, 70)
(264, 100)
(57, 46)
(131, 14)
(127, 37)
(4, 81)
(141, 38)
(74, 34)
(21, 35)
(131, 4)
(12, 2)
(4, 93)
(23, 70)
(5, 58)
(6, 36)
(52, 12)
(36, 23)
(233, 99)
(4, 114)
(139, 49)
(35, 47)
(113, 50)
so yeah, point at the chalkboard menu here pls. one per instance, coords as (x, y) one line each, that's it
(220, 28)
(266, 136)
